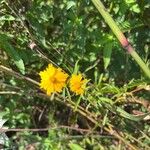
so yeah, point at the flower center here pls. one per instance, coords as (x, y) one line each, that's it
(78, 85)
(54, 80)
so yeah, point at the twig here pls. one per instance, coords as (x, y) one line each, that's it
(9, 92)
(11, 72)
(45, 129)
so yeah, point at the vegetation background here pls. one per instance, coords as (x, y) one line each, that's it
(114, 111)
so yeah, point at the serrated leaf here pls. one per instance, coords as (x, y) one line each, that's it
(107, 54)
(8, 48)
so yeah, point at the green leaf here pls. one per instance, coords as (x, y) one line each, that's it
(7, 18)
(107, 54)
(76, 68)
(75, 147)
(105, 100)
(70, 4)
(8, 48)
(77, 103)
(136, 8)
(131, 117)
(2, 114)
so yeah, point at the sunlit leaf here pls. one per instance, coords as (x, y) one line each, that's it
(107, 54)
(70, 4)
(74, 146)
(7, 18)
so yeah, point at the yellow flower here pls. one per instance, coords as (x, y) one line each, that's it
(52, 79)
(78, 84)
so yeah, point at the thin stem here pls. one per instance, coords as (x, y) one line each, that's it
(13, 73)
(9, 93)
(141, 63)
(45, 129)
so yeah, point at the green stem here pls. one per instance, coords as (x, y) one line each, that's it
(141, 63)
(120, 36)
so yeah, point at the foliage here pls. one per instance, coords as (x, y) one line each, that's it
(73, 36)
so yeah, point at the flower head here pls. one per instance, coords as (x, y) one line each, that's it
(78, 84)
(52, 79)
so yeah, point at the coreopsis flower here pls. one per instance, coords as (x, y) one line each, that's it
(78, 84)
(52, 79)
